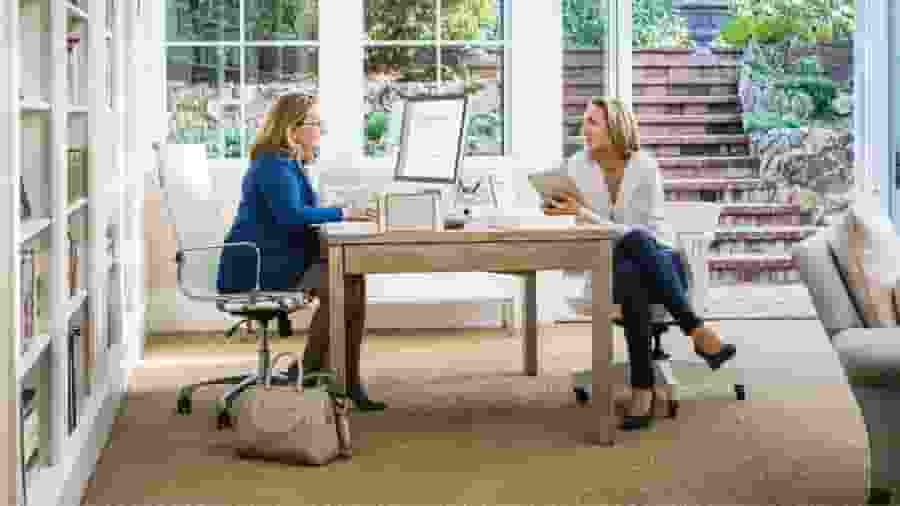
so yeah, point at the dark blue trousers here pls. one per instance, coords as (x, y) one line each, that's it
(646, 273)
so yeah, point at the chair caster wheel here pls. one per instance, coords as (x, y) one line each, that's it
(880, 496)
(673, 409)
(223, 418)
(184, 402)
(581, 395)
(740, 392)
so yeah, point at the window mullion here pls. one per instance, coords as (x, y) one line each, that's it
(437, 44)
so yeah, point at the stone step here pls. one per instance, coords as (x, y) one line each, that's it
(732, 269)
(723, 190)
(701, 163)
(661, 125)
(655, 57)
(709, 167)
(763, 214)
(656, 87)
(697, 145)
(596, 71)
(771, 240)
(665, 105)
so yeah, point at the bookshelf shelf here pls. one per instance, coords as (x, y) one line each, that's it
(64, 146)
(76, 206)
(32, 355)
(33, 227)
(76, 303)
(76, 12)
(34, 105)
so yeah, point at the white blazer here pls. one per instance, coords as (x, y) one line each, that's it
(640, 201)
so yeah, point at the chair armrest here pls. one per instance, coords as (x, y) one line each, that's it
(823, 281)
(180, 262)
(869, 354)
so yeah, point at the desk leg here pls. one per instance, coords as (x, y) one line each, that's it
(602, 408)
(337, 350)
(530, 348)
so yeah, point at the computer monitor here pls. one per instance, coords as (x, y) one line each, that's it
(432, 139)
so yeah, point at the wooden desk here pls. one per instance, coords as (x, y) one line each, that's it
(520, 250)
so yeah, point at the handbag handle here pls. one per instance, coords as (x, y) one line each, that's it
(321, 376)
(275, 359)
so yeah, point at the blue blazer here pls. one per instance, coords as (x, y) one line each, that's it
(278, 205)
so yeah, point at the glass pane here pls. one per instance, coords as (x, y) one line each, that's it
(203, 97)
(407, 20)
(272, 71)
(470, 21)
(585, 23)
(390, 73)
(202, 20)
(413, 71)
(281, 20)
(479, 72)
(585, 73)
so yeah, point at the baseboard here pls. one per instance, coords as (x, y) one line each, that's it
(82, 468)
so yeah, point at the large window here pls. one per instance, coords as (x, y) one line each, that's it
(417, 47)
(228, 59)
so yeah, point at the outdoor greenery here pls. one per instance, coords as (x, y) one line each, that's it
(469, 20)
(774, 21)
(654, 24)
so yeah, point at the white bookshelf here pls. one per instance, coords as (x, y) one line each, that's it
(65, 90)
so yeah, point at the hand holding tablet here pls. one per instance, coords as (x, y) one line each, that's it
(553, 186)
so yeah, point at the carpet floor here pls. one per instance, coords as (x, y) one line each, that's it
(465, 427)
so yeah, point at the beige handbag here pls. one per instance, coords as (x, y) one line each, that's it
(292, 424)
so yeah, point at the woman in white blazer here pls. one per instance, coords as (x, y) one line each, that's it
(621, 185)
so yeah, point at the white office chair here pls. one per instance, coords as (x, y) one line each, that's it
(195, 214)
(695, 224)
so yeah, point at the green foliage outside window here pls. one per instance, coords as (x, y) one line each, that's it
(773, 21)
(415, 20)
(654, 24)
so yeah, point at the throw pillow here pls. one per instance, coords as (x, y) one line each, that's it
(871, 248)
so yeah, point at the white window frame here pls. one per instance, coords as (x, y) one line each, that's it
(876, 126)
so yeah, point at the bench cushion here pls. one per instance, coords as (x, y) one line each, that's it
(869, 355)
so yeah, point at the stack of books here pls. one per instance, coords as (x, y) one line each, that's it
(27, 287)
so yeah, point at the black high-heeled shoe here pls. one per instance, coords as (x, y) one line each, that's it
(715, 360)
(638, 422)
(361, 400)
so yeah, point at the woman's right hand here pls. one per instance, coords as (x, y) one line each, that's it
(359, 214)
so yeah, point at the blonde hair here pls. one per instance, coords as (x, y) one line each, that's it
(289, 110)
(621, 125)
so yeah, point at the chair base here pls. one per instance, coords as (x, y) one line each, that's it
(244, 380)
(224, 402)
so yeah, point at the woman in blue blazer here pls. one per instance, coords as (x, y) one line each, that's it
(277, 210)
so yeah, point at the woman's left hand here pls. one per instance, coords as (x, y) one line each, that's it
(565, 205)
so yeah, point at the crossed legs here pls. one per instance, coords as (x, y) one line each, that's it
(646, 273)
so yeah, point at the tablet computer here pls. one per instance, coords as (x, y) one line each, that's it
(550, 185)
